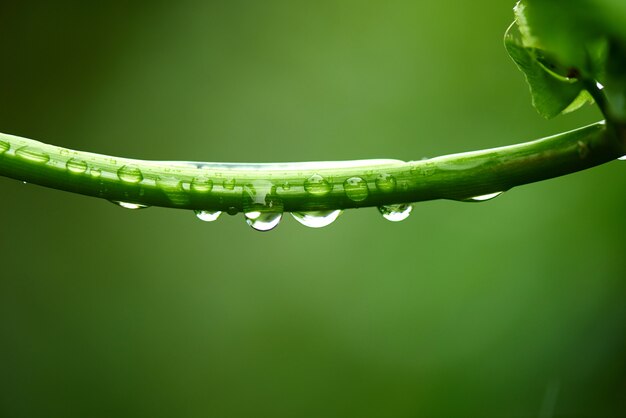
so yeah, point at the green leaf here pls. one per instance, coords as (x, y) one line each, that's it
(587, 38)
(553, 92)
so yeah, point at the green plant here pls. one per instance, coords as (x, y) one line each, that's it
(570, 52)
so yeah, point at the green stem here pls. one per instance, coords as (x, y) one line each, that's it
(307, 186)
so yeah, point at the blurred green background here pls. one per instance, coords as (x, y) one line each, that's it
(512, 308)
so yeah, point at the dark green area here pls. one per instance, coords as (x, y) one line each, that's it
(494, 309)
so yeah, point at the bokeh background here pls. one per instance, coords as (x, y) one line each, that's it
(511, 308)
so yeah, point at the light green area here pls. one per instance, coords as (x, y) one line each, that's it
(502, 308)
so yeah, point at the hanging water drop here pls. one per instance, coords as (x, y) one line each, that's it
(76, 166)
(317, 185)
(4, 146)
(484, 198)
(263, 221)
(130, 174)
(317, 219)
(207, 216)
(396, 213)
(262, 208)
(33, 154)
(128, 205)
(201, 184)
(356, 189)
(386, 183)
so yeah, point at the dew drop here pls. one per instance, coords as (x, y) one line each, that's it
(76, 166)
(229, 184)
(317, 219)
(317, 185)
(356, 189)
(396, 213)
(262, 208)
(207, 216)
(622, 158)
(4, 146)
(484, 197)
(128, 205)
(232, 211)
(96, 172)
(263, 221)
(385, 183)
(130, 174)
(33, 154)
(201, 184)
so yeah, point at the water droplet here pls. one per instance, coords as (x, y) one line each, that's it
(207, 216)
(423, 168)
(201, 184)
(4, 146)
(286, 186)
(232, 211)
(96, 172)
(262, 208)
(263, 221)
(317, 219)
(622, 158)
(356, 189)
(317, 185)
(229, 184)
(396, 213)
(33, 154)
(128, 205)
(173, 190)
(385, 183)
(76, 166)
(130, 174)
(484, 197)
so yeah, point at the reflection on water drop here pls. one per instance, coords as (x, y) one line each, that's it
(263, 221)
(207, 216)
(622, 158)
(4, 146)
(201, 184)
(76, 166)
(356, 189)
(484, 198)
(33, 154)
(396, 213)
(128, 205)
(130, 174)
(385, 183)
(262, 208)
(317, 219)
(317, 185)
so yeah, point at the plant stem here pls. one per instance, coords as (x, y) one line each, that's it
(307, 186)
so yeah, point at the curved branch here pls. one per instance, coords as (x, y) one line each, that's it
(301, 187)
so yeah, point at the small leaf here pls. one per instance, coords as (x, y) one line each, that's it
(554, 87)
